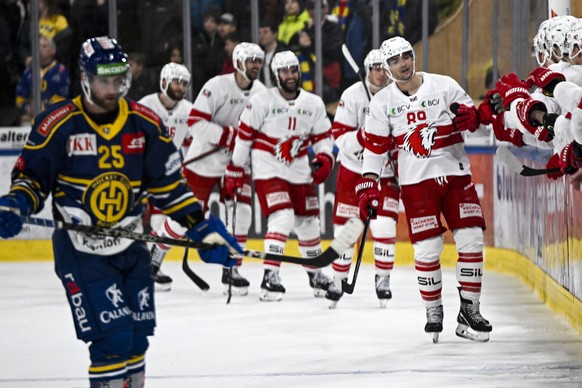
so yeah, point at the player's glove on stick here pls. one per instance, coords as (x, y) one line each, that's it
(501, 133)
(10, 221)
(571, 158)
(213, 231)
(228, 137)
(544, 78)
(486, 110)
(323, 165)
(368, 197)
(554, 162)
(234, 179)
(524, 109)
(466, 117)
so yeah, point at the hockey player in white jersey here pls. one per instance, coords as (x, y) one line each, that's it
(175, 112)
(276, 128)
(435, 178)
(214, 120)
(347, 129)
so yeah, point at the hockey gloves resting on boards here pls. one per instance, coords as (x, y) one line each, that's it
(466, 117)
(213, 231)
(368, 194)
(323, 164)
(10, 221)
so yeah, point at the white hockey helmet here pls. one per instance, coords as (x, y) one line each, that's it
(396, 47)
(540, 49)
(172, 71)
(574, 38)
(373, 57)
(283, 60)
(246, 51)
(558, 28)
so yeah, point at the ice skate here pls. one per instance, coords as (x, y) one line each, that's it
(472, 325)
(434, 322)
(271, 288)
(240, 285)
(162, 282)
(319, 283)
(334, 292)
(383, 290)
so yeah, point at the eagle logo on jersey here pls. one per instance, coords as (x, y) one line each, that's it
(419, 140)
(286, 150)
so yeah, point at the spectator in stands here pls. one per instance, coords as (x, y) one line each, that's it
(199, 10)
(175, 54)
(143, 81)
(331, 49)
(404, 18)
(53, 25)
(294, 20)
(230, 42)
(227, 25)
(207, 51)
(268, 10)
(302, 44)
(271, 45)
(54, 84)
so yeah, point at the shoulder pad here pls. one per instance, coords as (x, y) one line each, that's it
(54, 117)
(144, 111)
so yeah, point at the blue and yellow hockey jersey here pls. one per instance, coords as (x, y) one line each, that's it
(100, 174)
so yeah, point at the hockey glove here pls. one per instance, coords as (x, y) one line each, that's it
(486, 109)
(213, 231)
(368, 195)
(511, 88)
(228, 137)
(501, 133)
(554, 162)
(524, 109)
(545, 79)
(466, 117)
(323, 164)
(571, 158)
(12, 206)
(234, 179)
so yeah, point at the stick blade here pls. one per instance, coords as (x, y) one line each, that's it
(348, 236)
(509, 159)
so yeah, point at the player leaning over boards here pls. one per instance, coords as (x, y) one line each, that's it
(99, 155)
(276, 128)
(348, 129)
(175, 112)
(214, 125)
(435, 179)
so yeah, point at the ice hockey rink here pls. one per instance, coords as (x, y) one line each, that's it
(201, 341)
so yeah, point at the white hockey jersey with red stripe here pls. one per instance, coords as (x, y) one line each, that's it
(219, 104)
(175, 120)
(422, 126)
(349, 119)
(278, 132)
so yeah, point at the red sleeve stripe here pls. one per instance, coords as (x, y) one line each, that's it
(322, 136)
(196, 116)
(246, 132)
(338, 129)
(376, 143)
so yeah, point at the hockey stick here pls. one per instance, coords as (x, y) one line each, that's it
(348, 288)
(516, 165)
(344, 240)
(191, 274)
(201, 156)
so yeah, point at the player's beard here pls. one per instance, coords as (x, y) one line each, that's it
(290, 89)
(252, 74)
(109, 104)
(174, 96)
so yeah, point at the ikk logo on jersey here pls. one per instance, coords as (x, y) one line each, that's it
(419, 140)
(286, 150)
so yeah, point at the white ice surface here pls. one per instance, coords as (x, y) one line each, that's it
(203, 342)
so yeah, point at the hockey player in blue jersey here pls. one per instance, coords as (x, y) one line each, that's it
(100, 155)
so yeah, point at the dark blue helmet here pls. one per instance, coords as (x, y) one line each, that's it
(103, 56)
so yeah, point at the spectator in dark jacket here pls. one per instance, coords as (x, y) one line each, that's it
(207, 51)
(271, 45)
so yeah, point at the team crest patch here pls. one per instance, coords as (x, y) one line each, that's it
(419, 140)
(108, 197)
(286, 150)
(206, 93)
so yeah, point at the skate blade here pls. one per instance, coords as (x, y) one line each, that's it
(435, 337)
(465, 331)
(164, 287)
(332, 304)
(270, 296)
(383, 303)
(319, 292)
(238, 291)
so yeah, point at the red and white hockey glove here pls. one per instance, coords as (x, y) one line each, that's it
(544, 78)
(501, 133)
(554, 162)
(323, 165)
(485, 110)
(228, 137)
(571, 158)
(511, 88)
(524, 109)
(368, 194)
(466, 117)
(234, 179)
